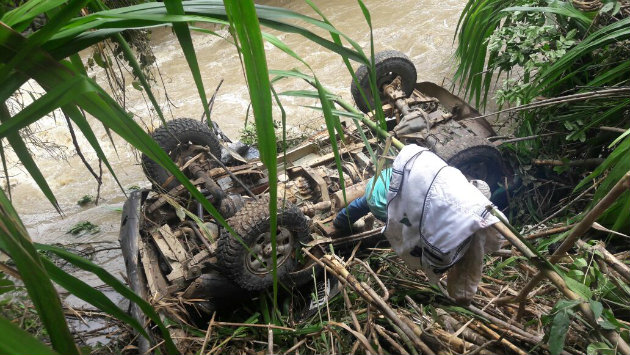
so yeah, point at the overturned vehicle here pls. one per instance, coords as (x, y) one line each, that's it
(176, 252)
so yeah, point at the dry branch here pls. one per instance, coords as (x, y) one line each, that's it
(558, 281)
(585, 224)
(372, 297)
(600, 250)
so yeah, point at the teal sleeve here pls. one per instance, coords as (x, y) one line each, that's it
(376, 194)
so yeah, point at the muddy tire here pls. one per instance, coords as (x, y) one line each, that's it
(389, 65)
(476, 158)
(174, 138)
(251, 223)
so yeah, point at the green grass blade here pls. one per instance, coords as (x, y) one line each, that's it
(90, 295)
(378, 106)
(118, 286)
(77, 117)
(58, 96)
(137, 71)
(14, 340)
(77, 35)
(21, 151)
(135, 66)
(244, 21)
(185, 41)
(283, 116)
(20, 17)
(327, 107)
(40, 36)
(5, 169)
(15, 242)
(336, 38)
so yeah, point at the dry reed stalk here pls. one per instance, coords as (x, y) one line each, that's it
(580, 228)
(376, 278)
(295, 347)
(560, 284)
(467, 334)
(362, 339)
(355, 320)
(499, 338)
(208, 331)
(371, 296)
(399, 348)
(600, 250)
(454, 342)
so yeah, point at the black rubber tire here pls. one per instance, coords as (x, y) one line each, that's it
(389, 64)
(250, 223)
(172, 138)
(476, 158)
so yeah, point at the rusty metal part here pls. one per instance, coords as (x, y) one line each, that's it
(352, 171)
(323, 187)
(296, 191)
(352, 193)
(216, 193)
(193, 227)
(310, 209)
(249, 192)
(394, 89)
(461, 110)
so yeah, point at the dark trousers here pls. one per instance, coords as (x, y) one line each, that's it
(348, 215)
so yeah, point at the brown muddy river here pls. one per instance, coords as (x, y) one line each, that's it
(423, 30)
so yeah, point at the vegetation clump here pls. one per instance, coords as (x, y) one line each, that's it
(84, 227)
(83, 201)
(567, 74)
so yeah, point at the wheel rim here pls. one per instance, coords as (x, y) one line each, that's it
(259, 261)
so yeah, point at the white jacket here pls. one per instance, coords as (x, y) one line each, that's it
(433, 211)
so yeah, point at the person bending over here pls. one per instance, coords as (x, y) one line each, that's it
(436, 220)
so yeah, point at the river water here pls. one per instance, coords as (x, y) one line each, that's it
(423, 30)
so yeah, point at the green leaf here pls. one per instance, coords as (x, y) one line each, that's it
(185, 41)
(118, 286)
(560, 8)
(620, 138)
(244, 21)
(580, 263)
(558, 330)
(582, 290)
(14, 241)
(77, 117)
(330, 125)
(597, 308)
(599, 348)
(91, 295)
(21, 151)
(14, 340)
(40, 36)
(77, 35)
(28, 11)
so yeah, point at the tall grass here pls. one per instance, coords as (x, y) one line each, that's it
(50, 57)
(582, 52)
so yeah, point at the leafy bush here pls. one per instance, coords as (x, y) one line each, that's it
(568, 67)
